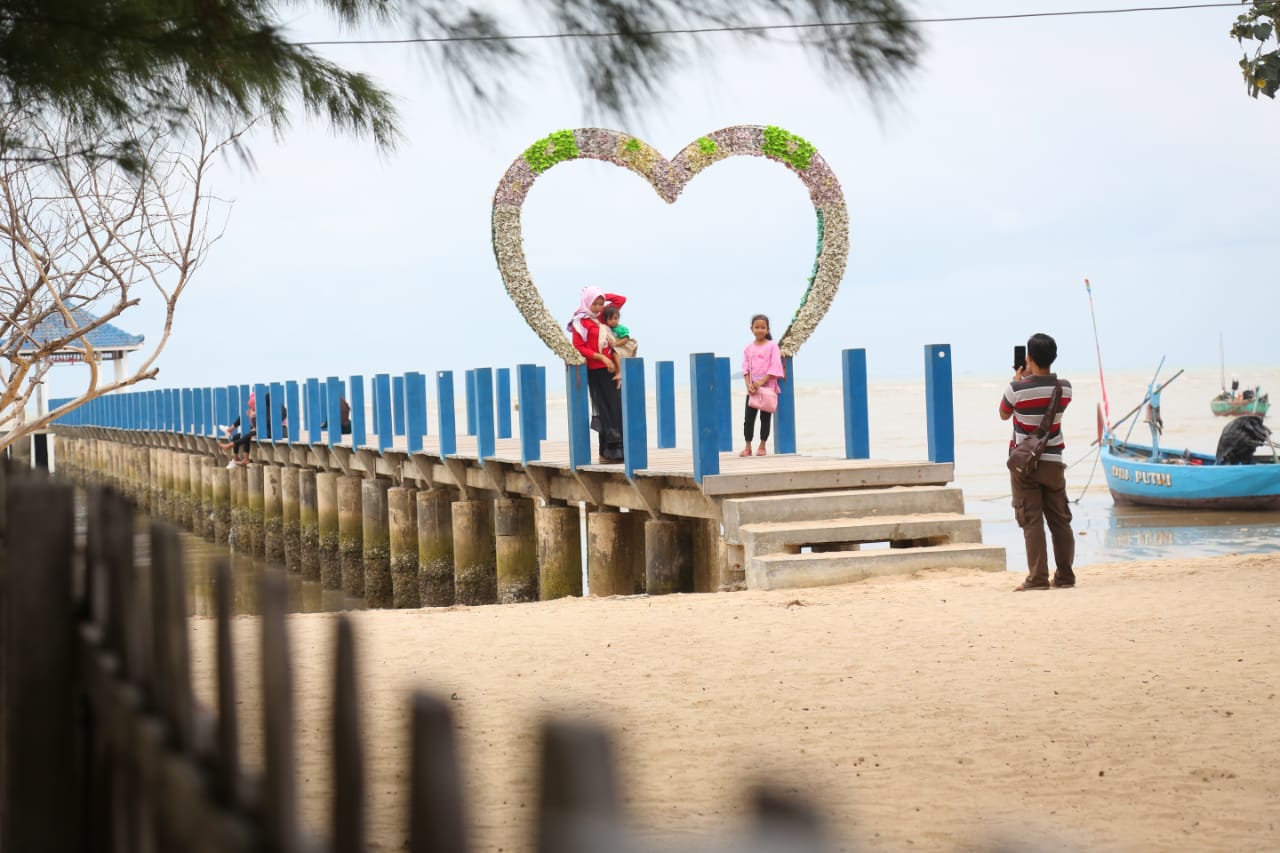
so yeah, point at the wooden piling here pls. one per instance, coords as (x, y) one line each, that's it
(559, 551)
(327, 529)
(240, 510)
(308, 525)
(254, 504)
(272, 515)
(181, 514)
(196, 466)
(289, 519)
(209, 512)
(350, 535)
(402, 517)
(435, 548)
(221, 505)
(609, 561)
(661, 556)
(375, 545)
(516, 550)
(475, 573)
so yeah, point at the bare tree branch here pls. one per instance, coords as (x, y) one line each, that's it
(88, 240)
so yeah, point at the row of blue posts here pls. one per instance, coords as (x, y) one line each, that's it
(399, 405)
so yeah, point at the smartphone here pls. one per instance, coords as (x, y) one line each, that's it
(1019, 357)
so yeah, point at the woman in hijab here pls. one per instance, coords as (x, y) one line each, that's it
(589, 339)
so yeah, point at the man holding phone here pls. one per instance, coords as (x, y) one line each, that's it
(1040, 496)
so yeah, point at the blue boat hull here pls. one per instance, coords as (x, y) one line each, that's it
(1188, 480)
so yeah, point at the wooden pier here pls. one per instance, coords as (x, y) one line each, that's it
(491, 507)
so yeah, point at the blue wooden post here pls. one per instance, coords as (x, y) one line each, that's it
(210, 420)
(355, 385)
(324, 399)
(188, 404)
(541, 400)
(530, 429)
(197, 411)
(295, 418)
(857, 430)
(575, 397)
(415, 404)
(469, 393)
(279, 414)
(313, 410)
(373, 408)
(504, 402)
(382, 409)
(244, 410)
(939, 406)
(333, 410)
(397, 404)
(702, 390)
(635, 429)
(264, 413)
(784, 420)
(170, 410)
(444, 413)
(221, 408)
(482, 379)
(724, 402)
(665, 379)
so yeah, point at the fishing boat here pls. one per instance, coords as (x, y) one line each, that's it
(1244, 473)
(1232, 402)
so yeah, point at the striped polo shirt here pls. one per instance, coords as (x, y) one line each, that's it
(1027, 399)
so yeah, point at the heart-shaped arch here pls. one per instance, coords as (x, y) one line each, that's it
(668, 178)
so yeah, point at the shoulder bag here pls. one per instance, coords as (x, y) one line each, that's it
(1025, 456)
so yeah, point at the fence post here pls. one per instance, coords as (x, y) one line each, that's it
(665, 379)
(382, 409)
(724, 403)
(38, 792)
(333, 413)
(469, 394)
(314, 415)
(415, 402)
(355, 386)
(938, 403)
(445, 414)
(482, 380)
(291, 399)
(702, 390)
(541, 400)
(397, 404)
(531, 429)
(635, 437)
(784, 422)
(503, 380)
(575, 391)
(857, 432)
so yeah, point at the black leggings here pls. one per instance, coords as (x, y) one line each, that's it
(749, 424)
(242, 443)
(606, 403)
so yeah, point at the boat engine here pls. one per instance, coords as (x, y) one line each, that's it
(1240, 439)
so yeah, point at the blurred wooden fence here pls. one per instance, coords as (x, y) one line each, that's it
(102, 747)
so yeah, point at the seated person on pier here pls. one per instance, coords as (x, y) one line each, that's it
(344, 412)
(239, 443)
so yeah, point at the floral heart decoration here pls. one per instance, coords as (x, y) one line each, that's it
(668, 178)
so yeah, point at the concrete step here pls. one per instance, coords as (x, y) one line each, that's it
(788, 537)
(852, 503)
(807, 474)
(790, 571)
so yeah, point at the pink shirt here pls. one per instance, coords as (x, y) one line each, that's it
(759, 361)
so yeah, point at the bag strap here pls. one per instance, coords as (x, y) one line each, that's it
(1046, 423)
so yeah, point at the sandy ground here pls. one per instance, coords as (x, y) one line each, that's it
(940, 711)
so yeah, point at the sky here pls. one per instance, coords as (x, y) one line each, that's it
(1020, 158)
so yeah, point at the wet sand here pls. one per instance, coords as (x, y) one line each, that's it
(937, 711)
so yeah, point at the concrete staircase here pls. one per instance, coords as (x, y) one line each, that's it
(833, 536)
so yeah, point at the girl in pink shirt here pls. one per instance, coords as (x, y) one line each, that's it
(761, 369)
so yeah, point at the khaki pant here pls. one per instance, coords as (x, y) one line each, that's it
(1037, 499)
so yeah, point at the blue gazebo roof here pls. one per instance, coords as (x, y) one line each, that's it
(105, 337)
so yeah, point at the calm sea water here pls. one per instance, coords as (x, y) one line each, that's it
(1106, 533)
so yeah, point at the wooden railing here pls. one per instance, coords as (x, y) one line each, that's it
(103, 748)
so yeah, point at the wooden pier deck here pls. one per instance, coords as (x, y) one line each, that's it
(787, 520)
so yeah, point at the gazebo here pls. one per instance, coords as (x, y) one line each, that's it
(108, 343)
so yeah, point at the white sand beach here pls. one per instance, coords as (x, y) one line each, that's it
(938, 711)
